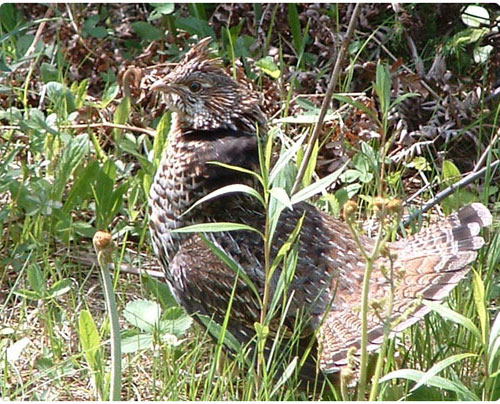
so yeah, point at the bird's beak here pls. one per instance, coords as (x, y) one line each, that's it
(160, 85)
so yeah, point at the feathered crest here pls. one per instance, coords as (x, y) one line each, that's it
(198, 58)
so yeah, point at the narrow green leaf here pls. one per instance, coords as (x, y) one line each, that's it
(28, 294)
(281, 195)
(161, 137)
(403, 97)
(121, 114)
(232, 265)
(229, 189)
(436, 381)
(285, 375)
(236, 168)
(285, 158)
(318, 186)
(479, 298)
(215, 330)
(311, 165)
(294, 24)
(382, 87)
(215, 227)
(494, 340)
(438, 367)
(89, 338)
(451, 315)
(356, 104)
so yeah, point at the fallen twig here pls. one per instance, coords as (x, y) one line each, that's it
(448, 191)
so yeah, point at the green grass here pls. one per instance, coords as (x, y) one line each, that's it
(60, 183)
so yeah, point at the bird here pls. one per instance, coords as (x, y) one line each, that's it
(216, 118)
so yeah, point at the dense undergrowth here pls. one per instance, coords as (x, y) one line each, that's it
(416, 108)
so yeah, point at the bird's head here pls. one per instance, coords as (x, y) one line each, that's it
(205, 96)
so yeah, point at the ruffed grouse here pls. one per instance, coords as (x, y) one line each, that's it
(216, 118)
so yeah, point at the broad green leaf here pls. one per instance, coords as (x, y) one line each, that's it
(72, 157)
(146, 31)
(109, 94)
(160, 9)
(475, 16)
(36, 279)
(481, 54)
(195, 26)
(268, 66)
(49, 72)
(175, 321)
(215, 227)
(229, 189)
(350, 175)
(479, 298)
(453, 316)
(435, 381)
(137, 342)
(59, 94)
(89, 338)
(318, 186)
(450, 172)
(59, 288)
(420, 164)
(81, 186)
(438, 367)
(160, 290)
(143, 314)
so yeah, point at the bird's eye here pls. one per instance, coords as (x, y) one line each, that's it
(194, 86)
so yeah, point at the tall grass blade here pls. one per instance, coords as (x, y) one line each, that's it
(435, 381)
(453, 316)
(438, 367)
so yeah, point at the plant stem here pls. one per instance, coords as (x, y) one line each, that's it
(327, 99)
(383, 347)
(103, 248)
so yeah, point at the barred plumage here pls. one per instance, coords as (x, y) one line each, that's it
(215, 118)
